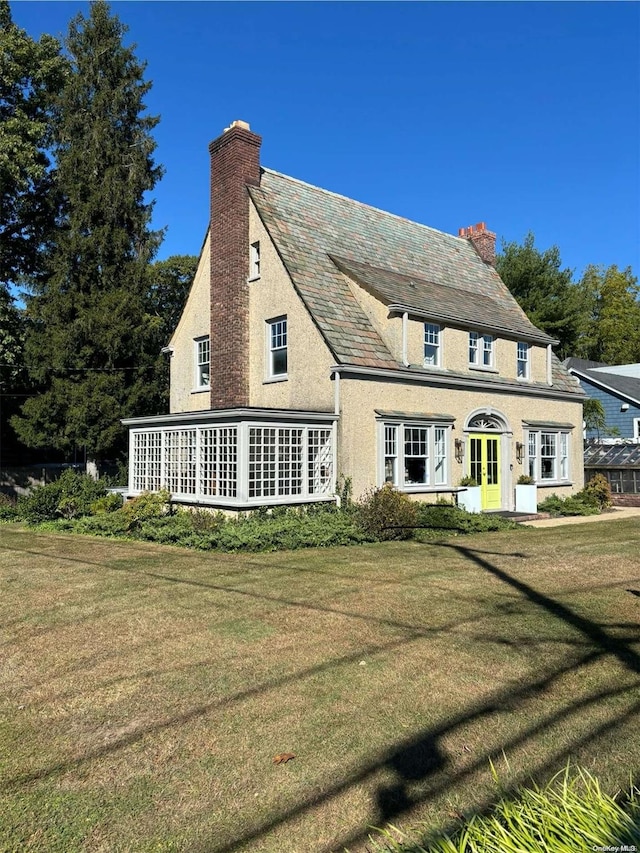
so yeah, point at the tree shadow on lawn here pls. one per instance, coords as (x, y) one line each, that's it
(423, 758)
(421, 761)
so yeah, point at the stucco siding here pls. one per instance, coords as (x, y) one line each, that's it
(308, 384)
(194, 323)
(360, 397)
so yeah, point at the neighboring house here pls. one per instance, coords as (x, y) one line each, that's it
(617, 387)
(325, 339)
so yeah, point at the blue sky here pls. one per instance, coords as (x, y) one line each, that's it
(522, 115)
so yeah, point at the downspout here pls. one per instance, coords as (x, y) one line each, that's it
(549, 378)
(336, 411)
(405, 324)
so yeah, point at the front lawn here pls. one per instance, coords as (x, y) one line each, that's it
(144, 690)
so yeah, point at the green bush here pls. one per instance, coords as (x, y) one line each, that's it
(386, 514)
(70, 496)
(568, 814)
(578, 504)
(598, 487)
(109, 503)
(444, 516)
(8, 508)
(319, 526)
(147, 506)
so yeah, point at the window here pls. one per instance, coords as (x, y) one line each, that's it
(523, 360)
(480, 350)
(548, 455)
(203, 356)
(277, 343)
(636, 427)
(415, 455)
(473, 347)
(254, 260)
(487, 351)
(431, 344)
(235, 463)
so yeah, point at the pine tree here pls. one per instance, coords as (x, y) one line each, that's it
(87, 344)
(31, 75)
(544, 291)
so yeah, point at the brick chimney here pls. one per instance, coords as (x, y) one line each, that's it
(483, 241)
(235, 163)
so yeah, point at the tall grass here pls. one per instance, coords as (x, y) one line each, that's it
(571, 813)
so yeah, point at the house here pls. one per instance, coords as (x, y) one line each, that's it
(617, 387)
(615, 451)
(324, 339)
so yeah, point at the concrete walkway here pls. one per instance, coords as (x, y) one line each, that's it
(616, 513)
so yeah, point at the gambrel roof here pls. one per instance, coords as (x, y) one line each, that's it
(324, 239)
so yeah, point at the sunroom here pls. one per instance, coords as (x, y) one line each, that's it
(235, 458)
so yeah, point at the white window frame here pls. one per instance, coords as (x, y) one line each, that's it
(548, 468)
(481, 350)
(523, 360)
(202, 346)
(236, 463)
(432, 356)
(402, 441)
(636, 428)
(254, 261)
(277, 342)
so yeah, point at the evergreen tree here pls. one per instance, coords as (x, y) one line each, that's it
(88, 340)
(31, 75)
(545, 291)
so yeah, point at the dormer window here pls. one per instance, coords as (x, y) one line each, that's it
(203, 358)
(480, 350)
(522, 360)
(254, 260)
(431, 345)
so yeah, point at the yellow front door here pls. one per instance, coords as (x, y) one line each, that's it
(484, 467)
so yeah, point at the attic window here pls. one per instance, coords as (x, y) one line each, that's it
(254, 259)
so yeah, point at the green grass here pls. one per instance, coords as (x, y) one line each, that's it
(144, 689)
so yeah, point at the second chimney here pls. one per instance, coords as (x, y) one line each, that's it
(235, 163)
(483, 241)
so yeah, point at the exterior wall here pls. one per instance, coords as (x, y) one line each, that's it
(358, 447)
(611, 404)
(308, 384)
(388, 326)
(455, 352)
(194, 323)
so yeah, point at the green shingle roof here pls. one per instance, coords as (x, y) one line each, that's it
(322, 236)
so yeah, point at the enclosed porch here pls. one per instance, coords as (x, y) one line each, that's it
(235, 458)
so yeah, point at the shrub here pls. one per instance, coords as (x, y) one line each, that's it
(579, 504)
(111, 502)
(525, 480)
(468, 481)
(8, 508)
(386, 514)
(70, 496)
(598, 487)
(147, 506)
(443, 516)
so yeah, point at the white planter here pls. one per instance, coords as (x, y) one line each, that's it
(470, 498)
(526, 498)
